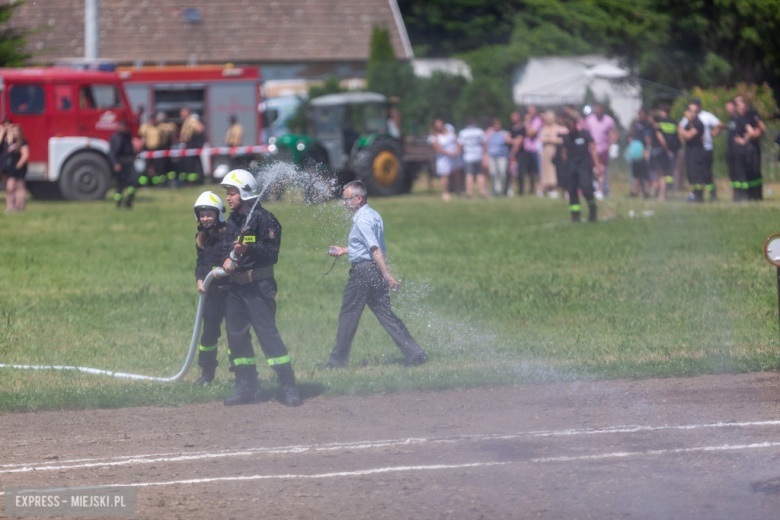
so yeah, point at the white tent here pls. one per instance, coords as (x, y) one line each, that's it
(564, 80)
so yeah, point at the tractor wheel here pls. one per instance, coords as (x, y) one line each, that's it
(85, 176)
(380, 168)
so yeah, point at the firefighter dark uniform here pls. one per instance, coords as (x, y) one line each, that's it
(190, 137)
(749, 157)
(695, 160)
(210, 257)
(579, 172)
(252, 302)
(120, 152)
(733, 156)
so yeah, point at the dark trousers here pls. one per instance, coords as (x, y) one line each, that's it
(126, 177)
(367, 286)
(527, 166)
(580, 177)
(253, 304)
(696, 168)
(752, 165)
(709, 178)
(213, 314)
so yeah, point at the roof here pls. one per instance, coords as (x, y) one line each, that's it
(425, 67)
(348, 98)
(240, 31)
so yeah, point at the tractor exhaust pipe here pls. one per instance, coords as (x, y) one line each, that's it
(187, 363)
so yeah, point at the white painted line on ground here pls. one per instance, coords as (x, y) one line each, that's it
(725, 447)
(179, 457)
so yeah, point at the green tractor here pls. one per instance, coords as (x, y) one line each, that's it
(351, 135)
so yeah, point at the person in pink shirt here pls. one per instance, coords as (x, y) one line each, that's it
(530, 166)
(602, 127)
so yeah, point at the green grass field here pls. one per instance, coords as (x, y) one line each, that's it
(497, 292)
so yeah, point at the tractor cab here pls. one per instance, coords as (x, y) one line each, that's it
(342, 122)
(351, 135)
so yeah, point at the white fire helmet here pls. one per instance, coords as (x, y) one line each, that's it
(244, 181)
(210, 200)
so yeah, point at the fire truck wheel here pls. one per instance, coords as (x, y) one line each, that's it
(85, 176)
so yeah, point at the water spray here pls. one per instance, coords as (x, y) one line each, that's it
(187, 363)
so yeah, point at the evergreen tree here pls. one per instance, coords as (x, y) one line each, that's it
(12, 41)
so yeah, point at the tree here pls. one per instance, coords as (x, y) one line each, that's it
(384, 73)
(12, 41)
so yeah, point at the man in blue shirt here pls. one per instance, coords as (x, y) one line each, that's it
(369, 282)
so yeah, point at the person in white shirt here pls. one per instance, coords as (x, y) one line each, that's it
(472, 142)
(711, 129)
(445, 144)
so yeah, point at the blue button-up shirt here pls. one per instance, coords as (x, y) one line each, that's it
(368, 231)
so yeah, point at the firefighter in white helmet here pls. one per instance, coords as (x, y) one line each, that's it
(209, 243)
(253, 239)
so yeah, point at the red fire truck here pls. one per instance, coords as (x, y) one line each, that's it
(214, 92)
(67, 117)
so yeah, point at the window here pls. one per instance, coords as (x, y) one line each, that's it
(63, 97)
(99, 96)
(27, 99)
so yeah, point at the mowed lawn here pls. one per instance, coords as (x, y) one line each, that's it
(497, 292)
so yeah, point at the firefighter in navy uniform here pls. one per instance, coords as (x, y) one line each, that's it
(251, 248)
(749, 130)
(121, 156)
(578, 151)
(209, 243)
(695, 161)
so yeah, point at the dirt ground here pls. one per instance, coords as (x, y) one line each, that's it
(705, 447)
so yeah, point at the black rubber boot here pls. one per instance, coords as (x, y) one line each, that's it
(206, 377)
(248, 390)
(286, 375)
(593, 212)
(698, 195)
(129, 201)
(575, 216)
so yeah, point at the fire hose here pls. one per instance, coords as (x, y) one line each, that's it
(187, 363)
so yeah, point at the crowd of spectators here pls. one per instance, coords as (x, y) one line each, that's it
(660, 151)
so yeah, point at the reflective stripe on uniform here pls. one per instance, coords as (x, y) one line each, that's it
(244, 361)
(754, 183)
(117, 197)
(207, 349)
(710, 187)
(574, 208)
(131, 190)
(143, 180)
(192, 177)
(669, 179)
(279, 361)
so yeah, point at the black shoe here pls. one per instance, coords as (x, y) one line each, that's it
(206, 377)
(129, 202)
(247, 391)
(593, 213)
(417, 360)
(289, 395)
(575, 217)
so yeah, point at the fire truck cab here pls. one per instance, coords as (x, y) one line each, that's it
(67, 117)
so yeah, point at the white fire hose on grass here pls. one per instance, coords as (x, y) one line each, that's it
(187, 363)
